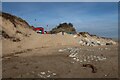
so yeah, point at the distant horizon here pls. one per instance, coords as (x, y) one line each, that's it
(96, 18)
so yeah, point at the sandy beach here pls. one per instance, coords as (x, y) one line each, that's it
(31, 62)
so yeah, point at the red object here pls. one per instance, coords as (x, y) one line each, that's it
(39, 29)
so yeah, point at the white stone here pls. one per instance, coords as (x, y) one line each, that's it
(106, 48)
(105, 75)
(94, 56)
(104, 58)
(49, 71)
(74, 58)
(98, 42)
(77, 60)
(72, 62)
(84, 60)
(75, 36)
(54, 74)
(96, 60)
(42, 73)
(88, 44)
(81, 61)
(48, 75)
(60, 50)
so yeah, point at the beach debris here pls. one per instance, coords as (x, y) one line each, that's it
(94, 69)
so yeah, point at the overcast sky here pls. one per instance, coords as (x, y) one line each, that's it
(98, 18)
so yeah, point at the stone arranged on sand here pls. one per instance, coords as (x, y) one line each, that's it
(42, 74)
(75, 54)
(47, 74)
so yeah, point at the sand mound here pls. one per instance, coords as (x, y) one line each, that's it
(14, 28)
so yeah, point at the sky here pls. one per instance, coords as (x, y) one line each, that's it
(100, 18)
